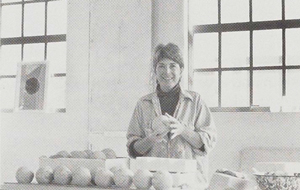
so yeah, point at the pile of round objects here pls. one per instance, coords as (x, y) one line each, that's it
(81, 176)
(106, 153)
(115, 177)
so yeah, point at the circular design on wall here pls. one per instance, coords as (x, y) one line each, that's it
(32, 85)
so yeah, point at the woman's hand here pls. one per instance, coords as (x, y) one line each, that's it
(157, 136)
(144, 145)
(176, 127)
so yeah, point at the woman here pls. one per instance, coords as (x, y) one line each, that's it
(191, 133)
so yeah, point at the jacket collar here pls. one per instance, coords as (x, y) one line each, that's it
(183, 95)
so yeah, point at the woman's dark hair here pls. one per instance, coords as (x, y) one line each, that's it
(169, 51)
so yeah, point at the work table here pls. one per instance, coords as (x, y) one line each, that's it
(35, 186)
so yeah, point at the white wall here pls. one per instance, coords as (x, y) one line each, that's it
(120, 61)
(237, 131)
(25, 137)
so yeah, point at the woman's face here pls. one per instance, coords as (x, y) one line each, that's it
(168, 74)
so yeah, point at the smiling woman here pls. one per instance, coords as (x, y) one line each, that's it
(186, 130)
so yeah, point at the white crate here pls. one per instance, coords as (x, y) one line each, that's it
(287, 167)
(73, 163)
(189, 179)
(167, 164)
(221, 181)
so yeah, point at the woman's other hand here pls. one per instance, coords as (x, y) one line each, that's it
(161, 124)
(176, 127)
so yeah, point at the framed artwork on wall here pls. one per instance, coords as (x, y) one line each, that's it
(32, 86)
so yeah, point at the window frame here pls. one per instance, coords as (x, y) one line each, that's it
(22, 40)
(250, 26)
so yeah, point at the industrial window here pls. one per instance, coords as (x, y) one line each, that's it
(245, 53)
(33, 30)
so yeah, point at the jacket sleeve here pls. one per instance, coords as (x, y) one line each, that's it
(134, 131)
(205, 127)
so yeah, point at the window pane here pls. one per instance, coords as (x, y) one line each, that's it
(11, 21)
(33, 52)
(235, 11)
(56, 55)
(10, 1)
(292, 9)
(200, 9)
(293, 85)
(34, 19)
(267, 48)
(7, 94)
(57, 17)
(57, 93)
(235, 49)
(293, 46)
(235, 89)
(207, 85)
(205, 50)
(266, 10)
(267, 87)
(10, 56)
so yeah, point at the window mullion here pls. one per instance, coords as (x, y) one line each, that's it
(251, 68)
(22, 30)
(283, 63)
(220, 70)
(283, 52)
(251, 55)
(46, 13)
(250, 11)
(219, 57)
(34, 39)
(283, 9)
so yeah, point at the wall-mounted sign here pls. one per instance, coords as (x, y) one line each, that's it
(32, 86)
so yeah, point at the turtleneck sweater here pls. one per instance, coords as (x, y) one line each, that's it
(168, 100)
